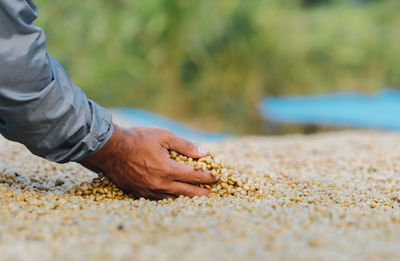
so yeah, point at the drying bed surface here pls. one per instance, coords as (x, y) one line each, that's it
(322, 197)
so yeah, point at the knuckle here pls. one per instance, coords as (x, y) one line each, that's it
(190, 146)
(165, 135)
(196, 179)
(200, 177)
(161, 169)
(165, 171)
(155, 185)
(163, 175)
(165, 131)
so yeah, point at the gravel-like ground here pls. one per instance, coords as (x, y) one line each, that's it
(329, 196)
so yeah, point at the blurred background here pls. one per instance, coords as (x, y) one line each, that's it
(209, 64)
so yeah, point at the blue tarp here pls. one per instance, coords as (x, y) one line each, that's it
(138, 117)
(379, 110)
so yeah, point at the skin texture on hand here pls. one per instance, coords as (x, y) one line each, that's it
(137, 160)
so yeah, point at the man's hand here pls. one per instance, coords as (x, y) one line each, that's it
(137, 160)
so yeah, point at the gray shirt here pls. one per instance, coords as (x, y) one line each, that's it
(39, 106)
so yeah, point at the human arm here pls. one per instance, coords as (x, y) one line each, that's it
(42, 109)
(39, 106)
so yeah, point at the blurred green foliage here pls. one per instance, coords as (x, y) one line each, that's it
(209, 62)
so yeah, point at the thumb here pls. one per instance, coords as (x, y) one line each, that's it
(187, 148)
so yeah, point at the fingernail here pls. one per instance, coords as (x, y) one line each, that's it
(202, 150)
(217, 177)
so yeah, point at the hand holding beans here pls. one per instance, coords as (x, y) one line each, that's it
(138, 161)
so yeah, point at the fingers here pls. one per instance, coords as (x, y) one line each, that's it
(179, 188)
(185, 147)
(161, 196)
(187, 173)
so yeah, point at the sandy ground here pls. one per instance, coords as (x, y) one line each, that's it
(329, 196)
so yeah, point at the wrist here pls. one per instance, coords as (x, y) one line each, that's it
(98, 161)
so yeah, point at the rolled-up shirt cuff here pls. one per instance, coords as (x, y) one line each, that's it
(101, 130)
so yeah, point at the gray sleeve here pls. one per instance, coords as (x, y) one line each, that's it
(39, 106)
